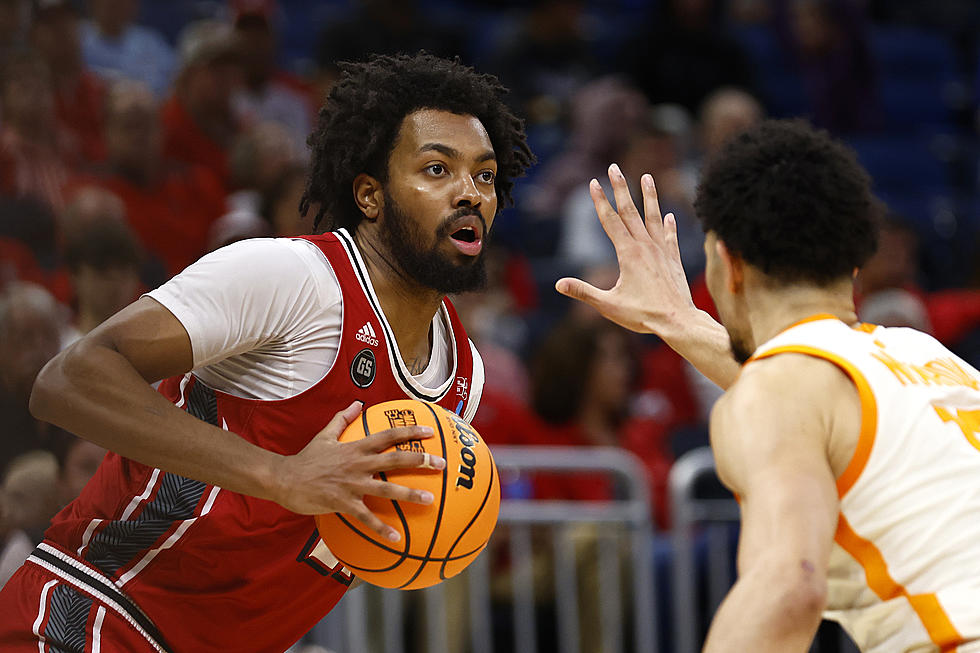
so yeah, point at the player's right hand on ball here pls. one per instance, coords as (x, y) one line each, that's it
(332, 476)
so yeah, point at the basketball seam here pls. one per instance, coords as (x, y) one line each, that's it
(442, 502)
(402, 555)
(479, 511)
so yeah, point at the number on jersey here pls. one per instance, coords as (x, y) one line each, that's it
(967, 420)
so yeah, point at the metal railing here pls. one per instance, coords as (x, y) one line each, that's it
(372, 620)
(711, 520)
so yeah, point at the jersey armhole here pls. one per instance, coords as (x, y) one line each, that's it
(869, 410)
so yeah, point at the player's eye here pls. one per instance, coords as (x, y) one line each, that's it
(487, 176)
(436, 169)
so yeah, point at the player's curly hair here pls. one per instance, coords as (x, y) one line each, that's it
(360, 119)
(791, 201)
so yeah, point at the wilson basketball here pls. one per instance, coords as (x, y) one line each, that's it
(438, 540)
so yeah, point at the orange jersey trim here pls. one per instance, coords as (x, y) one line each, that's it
(934, 619)
(869, 410)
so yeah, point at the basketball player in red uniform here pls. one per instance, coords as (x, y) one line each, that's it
(196, 534)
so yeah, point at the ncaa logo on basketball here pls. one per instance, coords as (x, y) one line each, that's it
(363, 368)
(367, 335)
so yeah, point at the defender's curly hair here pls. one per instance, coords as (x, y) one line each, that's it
(791, 201)
(360, 119)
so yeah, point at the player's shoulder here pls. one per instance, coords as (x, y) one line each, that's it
(783, 382)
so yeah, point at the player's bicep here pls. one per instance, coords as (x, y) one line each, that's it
(150, 337)
(789, 514)
(771, 448)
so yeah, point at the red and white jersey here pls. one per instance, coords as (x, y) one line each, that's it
(207, 569)
(904, 571)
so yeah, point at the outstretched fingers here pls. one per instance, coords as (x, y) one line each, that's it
(580, 290)
(628, 213)
(651, 208)
(610, 220)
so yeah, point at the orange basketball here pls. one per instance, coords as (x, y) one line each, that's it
(438, 540)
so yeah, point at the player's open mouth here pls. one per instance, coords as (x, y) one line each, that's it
(467, 237)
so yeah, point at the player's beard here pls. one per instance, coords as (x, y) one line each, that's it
(430, 266)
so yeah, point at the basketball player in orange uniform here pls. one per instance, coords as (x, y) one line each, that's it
(854, 449)
(195, 534)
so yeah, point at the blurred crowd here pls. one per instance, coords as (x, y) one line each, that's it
(135, 137)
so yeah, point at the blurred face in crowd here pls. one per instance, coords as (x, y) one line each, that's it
(207, 87)
(81, 461)
(132, 129)
(28, 102)
(55, 36)
(813, 27)
(113, 16)
(611, 372)
(258, 48)
(105, 292)
(285, 216)
(30, 336)
(725, 114)
(11, 21)
(29, 491)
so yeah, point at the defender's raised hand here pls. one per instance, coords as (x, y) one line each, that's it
(652, 294)
(332, 476)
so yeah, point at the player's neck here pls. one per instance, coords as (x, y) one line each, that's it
(408, 306)
(773, 310)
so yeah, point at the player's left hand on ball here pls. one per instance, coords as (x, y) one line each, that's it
(333, 476)
(651, 294)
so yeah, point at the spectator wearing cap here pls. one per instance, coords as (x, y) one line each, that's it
(169, 204)
(199, 125)
(268, 93)
(78, 93)
(116, 48)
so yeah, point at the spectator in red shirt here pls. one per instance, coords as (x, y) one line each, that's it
(169, 204)
(36, 155)
(269, 93)
(79, 94)
(582, 380)
(952, 313)
(199, 124)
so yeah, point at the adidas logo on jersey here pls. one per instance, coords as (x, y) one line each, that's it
(367, 335)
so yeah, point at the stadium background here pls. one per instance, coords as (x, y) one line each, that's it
(108, 187)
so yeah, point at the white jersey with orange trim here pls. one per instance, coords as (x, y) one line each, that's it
(905, 568)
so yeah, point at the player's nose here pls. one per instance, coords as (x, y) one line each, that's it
(466, 193)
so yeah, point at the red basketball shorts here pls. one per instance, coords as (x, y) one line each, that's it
(44, 609)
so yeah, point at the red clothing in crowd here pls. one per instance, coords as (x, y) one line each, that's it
(501, 420)
(184, 141)
(172, 217)
(29, 169)
(81, 111)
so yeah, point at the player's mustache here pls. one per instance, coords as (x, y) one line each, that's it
(446, 227)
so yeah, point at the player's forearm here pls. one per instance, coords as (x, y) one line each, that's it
(768, 613)
(94, 392)
(705, 344)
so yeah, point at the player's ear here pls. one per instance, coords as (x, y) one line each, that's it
(369, 195)
(733, 266)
